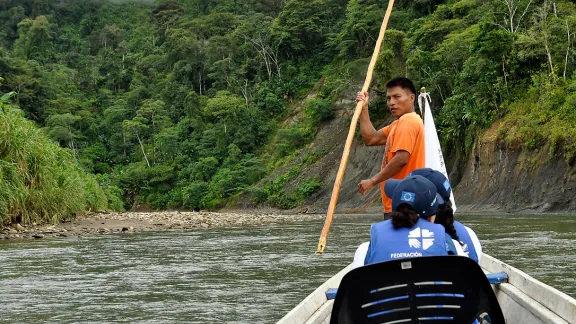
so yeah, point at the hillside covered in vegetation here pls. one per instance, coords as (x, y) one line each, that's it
(188, 103)
(39, 181)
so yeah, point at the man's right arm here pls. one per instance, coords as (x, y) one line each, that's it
(370, 135)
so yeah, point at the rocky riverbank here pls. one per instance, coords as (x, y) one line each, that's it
(130, 222)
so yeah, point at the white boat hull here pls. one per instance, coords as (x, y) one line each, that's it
(523, 299)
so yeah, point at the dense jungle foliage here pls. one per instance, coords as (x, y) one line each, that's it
(181, 103)
(39, 181)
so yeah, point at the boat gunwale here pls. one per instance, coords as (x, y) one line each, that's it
(544, 314)
(316, 300)
(536, 297)
(540, 292)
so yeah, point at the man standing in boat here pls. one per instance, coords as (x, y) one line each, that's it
(403, 139)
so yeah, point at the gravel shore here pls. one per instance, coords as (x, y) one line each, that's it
(108, 223)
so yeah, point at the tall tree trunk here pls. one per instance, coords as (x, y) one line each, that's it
(153, 139)
(143, 151)
(555, 12)
(200, 83)
(71, 145)
(504, 72)
(244, 90)
(124, 146)
(549, 55)
(567, 50)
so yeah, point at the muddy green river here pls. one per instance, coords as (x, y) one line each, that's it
(231, 275)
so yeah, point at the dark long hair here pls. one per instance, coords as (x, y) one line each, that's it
(404, 216)
(445, 217)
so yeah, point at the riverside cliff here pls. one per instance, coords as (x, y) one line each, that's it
(497, 177)
(492, 178)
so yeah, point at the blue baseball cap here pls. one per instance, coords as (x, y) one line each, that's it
(439, 180)
(416, 191)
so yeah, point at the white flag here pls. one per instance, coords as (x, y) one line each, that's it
(434, 157)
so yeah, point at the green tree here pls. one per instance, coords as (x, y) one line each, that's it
(300, 27)
(61, 129)
(35, 39)
(137, 127)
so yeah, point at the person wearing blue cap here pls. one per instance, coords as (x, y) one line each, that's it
(410, 232)
(467, 239)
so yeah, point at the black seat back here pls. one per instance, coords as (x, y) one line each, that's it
(438, 289)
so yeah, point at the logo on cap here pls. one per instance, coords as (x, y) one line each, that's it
(447, 185)
(408, 196)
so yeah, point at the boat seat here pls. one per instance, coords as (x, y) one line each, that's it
(435, 290)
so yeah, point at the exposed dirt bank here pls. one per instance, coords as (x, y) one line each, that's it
(505, 179)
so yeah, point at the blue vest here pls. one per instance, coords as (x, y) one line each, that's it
(388, 243)
(465, 238)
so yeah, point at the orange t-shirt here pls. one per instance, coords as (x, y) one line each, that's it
(404, 134)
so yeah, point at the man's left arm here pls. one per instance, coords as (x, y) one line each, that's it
(394, 166)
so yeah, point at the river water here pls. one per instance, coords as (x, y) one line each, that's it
(231, 275)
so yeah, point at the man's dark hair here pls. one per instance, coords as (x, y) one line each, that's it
(401, 82)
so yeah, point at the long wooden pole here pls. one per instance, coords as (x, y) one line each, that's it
(344, 161)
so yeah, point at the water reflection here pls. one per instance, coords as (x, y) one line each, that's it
(240, 275)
